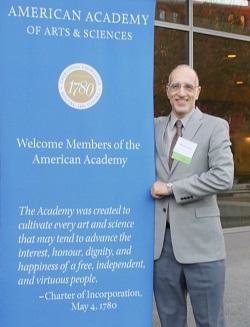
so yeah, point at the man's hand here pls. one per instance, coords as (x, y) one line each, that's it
(160, 189)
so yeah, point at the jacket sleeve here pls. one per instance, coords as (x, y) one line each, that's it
(218, 177)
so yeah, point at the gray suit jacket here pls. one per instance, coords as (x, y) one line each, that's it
(193, 211)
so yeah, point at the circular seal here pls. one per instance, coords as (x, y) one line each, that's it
(80, 86)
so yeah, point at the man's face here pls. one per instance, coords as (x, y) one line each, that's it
(183, 90)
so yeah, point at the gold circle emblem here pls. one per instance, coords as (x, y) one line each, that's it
(80, 86)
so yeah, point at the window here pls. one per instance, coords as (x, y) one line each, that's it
(231, 16)
(225, 93)
(173, 11)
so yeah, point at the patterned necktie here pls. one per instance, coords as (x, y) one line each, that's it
(178, 133)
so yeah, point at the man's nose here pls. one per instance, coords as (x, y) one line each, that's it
(182, 90)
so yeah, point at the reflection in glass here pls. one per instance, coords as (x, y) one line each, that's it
(171, 49)
(231, 16)
(224, 71)
(173, 11)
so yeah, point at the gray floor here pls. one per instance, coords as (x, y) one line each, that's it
(237, 294)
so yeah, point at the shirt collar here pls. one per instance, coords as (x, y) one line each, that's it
(184, 120)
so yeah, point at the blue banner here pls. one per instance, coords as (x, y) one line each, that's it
(77, 162)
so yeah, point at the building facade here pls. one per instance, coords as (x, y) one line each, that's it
(213, 36)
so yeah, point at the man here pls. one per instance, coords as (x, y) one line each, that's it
(189, 244)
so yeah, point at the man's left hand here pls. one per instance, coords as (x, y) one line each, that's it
(160, 189)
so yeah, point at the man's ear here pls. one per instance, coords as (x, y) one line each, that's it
(167, 91)
(197, 92)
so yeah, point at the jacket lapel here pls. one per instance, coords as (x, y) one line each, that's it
(191, 129)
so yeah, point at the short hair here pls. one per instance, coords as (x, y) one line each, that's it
(183, 66)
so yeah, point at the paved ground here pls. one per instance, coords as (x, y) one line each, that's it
(237, 294)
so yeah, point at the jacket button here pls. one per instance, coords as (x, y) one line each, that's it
(164, 209)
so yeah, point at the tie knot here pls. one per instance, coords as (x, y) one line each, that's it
(178, 123)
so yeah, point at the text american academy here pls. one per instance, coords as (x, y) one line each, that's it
(76, 160)
(78, 15)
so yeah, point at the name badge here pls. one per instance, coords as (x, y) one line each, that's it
(184, 150)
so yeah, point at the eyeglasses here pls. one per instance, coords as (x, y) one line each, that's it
(175, 87)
